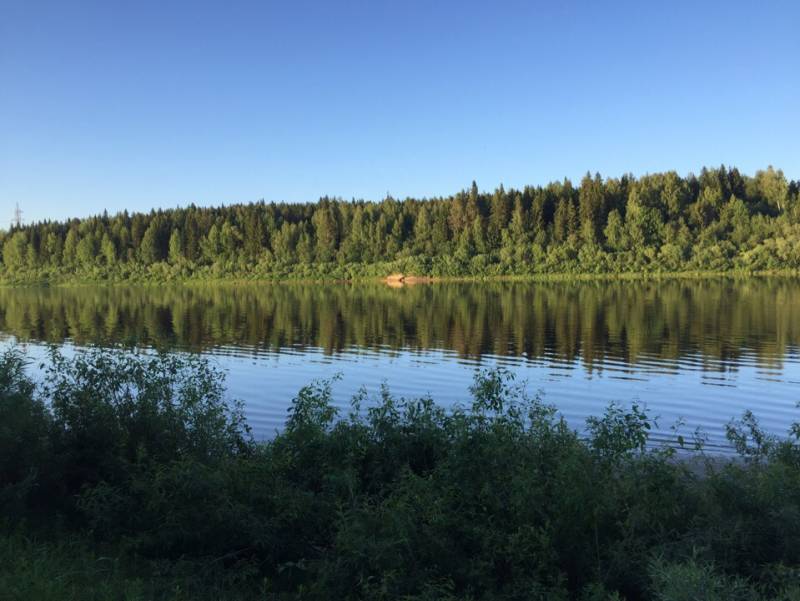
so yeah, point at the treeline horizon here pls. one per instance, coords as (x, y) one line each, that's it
(719, 220)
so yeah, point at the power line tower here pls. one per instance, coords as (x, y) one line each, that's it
(17, 221)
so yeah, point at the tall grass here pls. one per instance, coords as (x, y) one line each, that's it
(133, 477)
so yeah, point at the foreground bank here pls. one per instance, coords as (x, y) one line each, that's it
(132, 477)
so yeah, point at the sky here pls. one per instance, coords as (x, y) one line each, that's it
(139, 105)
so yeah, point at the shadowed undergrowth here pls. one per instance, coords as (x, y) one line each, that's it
(132, 477)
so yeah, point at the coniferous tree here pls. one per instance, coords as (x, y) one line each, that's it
(150, 249)
(175, 247)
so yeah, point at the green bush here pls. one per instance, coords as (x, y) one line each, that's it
(25, 429)
(396, 499)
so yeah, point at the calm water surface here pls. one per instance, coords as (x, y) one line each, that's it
(699, 350)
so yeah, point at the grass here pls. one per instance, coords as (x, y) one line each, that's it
(74, 568)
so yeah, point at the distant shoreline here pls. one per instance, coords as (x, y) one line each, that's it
(393, 280)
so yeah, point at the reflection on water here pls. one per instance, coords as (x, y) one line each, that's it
(700, 349)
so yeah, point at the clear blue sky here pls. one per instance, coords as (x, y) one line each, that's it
(114, 105)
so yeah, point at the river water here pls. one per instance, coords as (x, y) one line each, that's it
(699, 351)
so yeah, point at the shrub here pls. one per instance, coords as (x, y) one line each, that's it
(399, 498)
(25, 428)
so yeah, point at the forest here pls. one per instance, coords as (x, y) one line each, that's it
(718, 220)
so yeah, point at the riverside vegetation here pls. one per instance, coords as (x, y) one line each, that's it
(130, 476)
(719, 220)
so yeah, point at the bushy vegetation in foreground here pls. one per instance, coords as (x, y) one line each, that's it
(719, 220)
(131, 477)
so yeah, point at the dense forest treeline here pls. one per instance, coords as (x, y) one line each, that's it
(718, 220)
(133, 477)
(719, 319)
